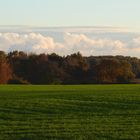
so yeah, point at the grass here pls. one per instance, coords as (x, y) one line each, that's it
(84, 112)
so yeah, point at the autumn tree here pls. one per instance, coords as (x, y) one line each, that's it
(125, 74)
(113, 71)
(5, 70)
(76, 67)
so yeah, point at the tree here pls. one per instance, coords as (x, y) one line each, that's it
(125, 74)
(113, 71)
(106, 71)
(5, 70)
(76, 68)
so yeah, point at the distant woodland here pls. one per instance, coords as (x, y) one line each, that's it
(22, 68)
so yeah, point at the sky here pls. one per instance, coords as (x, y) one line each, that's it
(92, 27)
(50, 13)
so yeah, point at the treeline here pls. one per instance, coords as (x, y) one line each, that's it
(21, 68)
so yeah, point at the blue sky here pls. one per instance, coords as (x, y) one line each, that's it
(124, 13)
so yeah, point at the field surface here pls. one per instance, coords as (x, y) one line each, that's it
(85, 112)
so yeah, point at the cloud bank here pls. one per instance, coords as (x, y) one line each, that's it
(71, 42)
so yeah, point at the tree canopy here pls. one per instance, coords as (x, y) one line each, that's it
(22, 68)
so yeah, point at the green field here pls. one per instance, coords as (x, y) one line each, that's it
(86, 112)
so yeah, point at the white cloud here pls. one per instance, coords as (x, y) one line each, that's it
(136, 41)
(31, 42)
(72, 42)
(89, 46)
